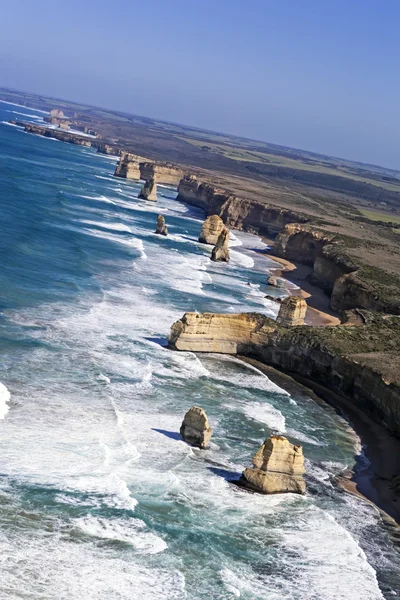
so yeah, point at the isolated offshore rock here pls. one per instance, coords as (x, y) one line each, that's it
(211, 230)
(195, 428)
(292, 311)
(149, 190)
(276, 281)
(278, 467)
(221, 249)
(161, 228)
(56, 113)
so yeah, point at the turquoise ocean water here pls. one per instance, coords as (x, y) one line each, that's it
(99, 498)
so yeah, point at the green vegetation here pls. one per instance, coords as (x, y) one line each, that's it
(373, 215)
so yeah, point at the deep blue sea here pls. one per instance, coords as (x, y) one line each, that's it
(99, 498)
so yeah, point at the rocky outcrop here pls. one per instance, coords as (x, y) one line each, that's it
(55, 112)
(277, 282)
(236, 213)
(195, 428)
(300, 243)
(329, 265)
(149, 190)
(161, 228)
(359, 362)
(211, 229)
(63, 136)
(128, 166)
(108, 149)
(64, 125)
(165, 173)
(278, 467)
(292, 312)
(220, 252)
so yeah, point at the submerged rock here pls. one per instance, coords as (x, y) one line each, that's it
(221, 249)
(211, 230)
(161, 228)
(292, 311)
(278, 467)
(195, 428)
(149, 190)
(276, 281)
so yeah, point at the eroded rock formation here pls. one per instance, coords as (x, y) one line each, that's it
(165, 173)
(108, 149)
(292, 311)
(161, 228)
(220, 252)
(55, 112)
(195, 428)
(278, 467)
(277, 282)
(64, 136)
(128, 166)
(211, 229)
(236, 213)
(149, 190)
(361, 363)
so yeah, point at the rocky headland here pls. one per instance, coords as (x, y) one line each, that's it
(359, 359)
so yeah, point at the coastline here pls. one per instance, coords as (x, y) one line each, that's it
(318, 311)
(369, 480)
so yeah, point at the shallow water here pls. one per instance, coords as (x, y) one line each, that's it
(99, 496)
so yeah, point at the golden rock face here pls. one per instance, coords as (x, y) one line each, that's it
(292, 312)
(211, 230)
(195, 428)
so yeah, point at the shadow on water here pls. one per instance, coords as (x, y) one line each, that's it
(225, 473)
(174, 435)
(161, 341)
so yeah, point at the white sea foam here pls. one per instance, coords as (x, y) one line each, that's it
(27, 115)
(130, 531)
(12, 124)
(98, 198)
(106, 225)
(266, 413)
(26, 107)
(241, 260)
(4, 400)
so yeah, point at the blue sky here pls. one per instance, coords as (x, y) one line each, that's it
(315, 74)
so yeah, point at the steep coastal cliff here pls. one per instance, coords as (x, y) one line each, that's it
(237, 213)
(128, 166)
(64, 136)
(165, 173)
(359, 362)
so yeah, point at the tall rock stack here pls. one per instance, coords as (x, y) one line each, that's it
(161, 228)
(278, 467)
(221, 249)
(211, 230)
(195, 428)
(149, 190)
(292, 311)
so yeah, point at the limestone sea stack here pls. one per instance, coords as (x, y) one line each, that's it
(211, 230)
(161, 228)
(292, 311)
(278, 467)
(149, 190)
(221, 249)
(195, 428)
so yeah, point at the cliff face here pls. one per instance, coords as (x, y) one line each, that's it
(128, 166)
(64, 136)
(161, 173)
(297, 242)
(328, 355)
(236, 213)
(108, 149)
(330, 265)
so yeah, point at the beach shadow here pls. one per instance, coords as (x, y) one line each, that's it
(225, 473)
(173, 435)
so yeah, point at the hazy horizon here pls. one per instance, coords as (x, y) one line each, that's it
(312, 77)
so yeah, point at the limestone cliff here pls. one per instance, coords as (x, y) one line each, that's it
(359, 362)
(236, 213)
(165, 173)
(64, 136)
(108, 149)
(128, 166)
(211, 230)
(292, 311)
(195, 428)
